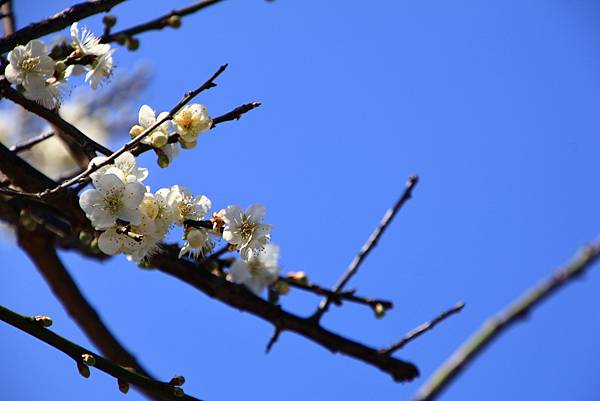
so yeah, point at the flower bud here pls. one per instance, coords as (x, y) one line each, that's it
(135, 131)
(159, 139)
(196, 238)
(299, 277)
(188, 145)
(177, 380)
(26, 220)
(150, 207)
(88, 359)
(86, 237)
(174, 21)
(379, 310)
(83, 369)
(178, 392)
(44, 321)
(109, 20)
(163, 159)
(133, 44)
(122, 39)
(281, 287)
(123, 386)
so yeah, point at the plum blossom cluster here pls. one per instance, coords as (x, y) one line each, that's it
(187, 124)
(133, 220)
(41, 73)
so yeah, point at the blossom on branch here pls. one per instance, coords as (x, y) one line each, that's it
(245, 230)
(260, 270)
(185, 206)
(191, 121)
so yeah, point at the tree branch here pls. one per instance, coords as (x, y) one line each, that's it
(41, 251)
(497, 325)
(30, 143)
(422, 329)
(160, 22)
(33, 327)
(8, 18)
(56, 22)
(369, 245)
(239, 297)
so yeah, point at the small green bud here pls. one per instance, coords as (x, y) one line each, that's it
(188, 145)
(122, 39)
(177, 380)
(178, 392)
(163, 159)
(109, 20)
(88, 359)
(123, 386)
(159, 139)
(133, 44)
(83, 369)
(281, 287)
(174, 21)
(86, 237)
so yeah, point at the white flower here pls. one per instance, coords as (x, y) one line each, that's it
(124, 167)
(111, 200)
(113, 241)
(29, 66)
(101, 68)
(88, 43)
(147, 118)
(246, 230)
(259, 271)
(198, 242)
(44, 92)
(165, 215)
(191, 121)
(185, 206)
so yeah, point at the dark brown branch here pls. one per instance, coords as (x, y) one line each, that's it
(234, 114)
(33, 327)
(239, 297)
(72, 136)
(160, 22)
(56, 22)
(369, 245)
(497, 325)
(8, 18)
(42, 253)
(422, 329)
(30, 143)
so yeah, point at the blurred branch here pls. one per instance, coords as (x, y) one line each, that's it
(497, 325)
(422, 329)
(8, 18)
(72, 136)
(30, 143)
(42, 253)
(160, 22)
(32, 326)
(368, 246)
(239, 297)
(56, 22)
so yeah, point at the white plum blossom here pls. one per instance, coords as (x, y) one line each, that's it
(45, 92)
(111, 200)
(29, 65)
(124, 167)
(198, 242)
(147, 118)
(86, 42)
(185, 206)
(101, 68)
(191, 121)
(246, 230)
(259, 271)
(114, 241)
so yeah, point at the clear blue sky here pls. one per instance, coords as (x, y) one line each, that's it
(493, 104)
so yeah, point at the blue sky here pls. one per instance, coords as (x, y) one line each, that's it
(493, 104)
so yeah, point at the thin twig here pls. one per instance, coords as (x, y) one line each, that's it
(41, 251)
(30, 143)
(160, 22)
(497, 325)
(369, 245)
(75, 351)
(423, 328)
(56, 22)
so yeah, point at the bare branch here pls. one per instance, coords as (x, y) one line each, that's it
(56, 22)
(8, 18)
(423, 328)
(33, 327)
(30, 143)
(369, 245)
(239, 297)
(160, 22)
(497, 325)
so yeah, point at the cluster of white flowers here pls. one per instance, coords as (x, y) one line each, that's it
(189, 122)
(41, 77)
(133, 221)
